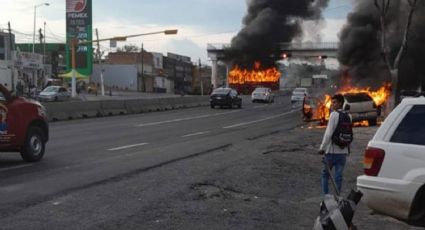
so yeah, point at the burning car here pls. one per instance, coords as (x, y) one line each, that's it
(361, 107)
(363, 104)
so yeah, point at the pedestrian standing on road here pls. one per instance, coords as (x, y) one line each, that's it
(334, 152)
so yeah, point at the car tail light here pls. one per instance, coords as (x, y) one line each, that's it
(372, 161)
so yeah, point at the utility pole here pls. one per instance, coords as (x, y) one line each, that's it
(200, 76)
(142, 75)
(99, 56)
(12, 65)
(44, 44)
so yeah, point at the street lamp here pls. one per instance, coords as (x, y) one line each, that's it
(75, 43)
(35, 13)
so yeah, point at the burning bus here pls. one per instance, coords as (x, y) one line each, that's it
(245, 80)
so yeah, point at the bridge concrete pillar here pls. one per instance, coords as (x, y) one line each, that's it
(214, 72)
(227, 74)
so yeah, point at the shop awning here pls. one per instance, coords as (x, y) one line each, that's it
(77, 75)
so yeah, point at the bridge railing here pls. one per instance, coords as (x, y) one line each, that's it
(308, 45)
(218, 46)
(286, 46)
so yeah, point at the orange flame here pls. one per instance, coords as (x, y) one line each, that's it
(361, 124)
(379, 96)
(257, 75)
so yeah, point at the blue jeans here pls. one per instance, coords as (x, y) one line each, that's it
(336, 161)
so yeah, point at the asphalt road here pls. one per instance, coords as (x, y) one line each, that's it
(199, 168)
(82, 155)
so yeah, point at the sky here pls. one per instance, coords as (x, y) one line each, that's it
(199, 22)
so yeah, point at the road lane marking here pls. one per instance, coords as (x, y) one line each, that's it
(259, 120)
(196, 134)
(185, 119)
(127, 147)
(15, 167)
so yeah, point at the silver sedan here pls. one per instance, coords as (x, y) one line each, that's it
(54, 93)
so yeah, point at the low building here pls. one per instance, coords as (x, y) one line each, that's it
(7, 76)
(25, 69)
(201, 82)
(53, 56)
(180, 69)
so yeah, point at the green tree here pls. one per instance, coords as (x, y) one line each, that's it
(131, 48)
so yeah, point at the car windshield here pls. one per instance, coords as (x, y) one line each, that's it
(51, 89)
(260, 90)
(299, 91)
(410, 93)
(357, 97)
(221, 91)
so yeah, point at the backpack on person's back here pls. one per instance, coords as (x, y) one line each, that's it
(343, 134)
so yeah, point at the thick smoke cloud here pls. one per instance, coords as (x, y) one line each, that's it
(268, 23)
(360, 52)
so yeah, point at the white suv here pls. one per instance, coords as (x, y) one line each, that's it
(298, 95)
(394, 165)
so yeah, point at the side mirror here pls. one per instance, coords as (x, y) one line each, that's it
(347, 107)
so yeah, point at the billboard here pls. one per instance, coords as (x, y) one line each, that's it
(79, 26)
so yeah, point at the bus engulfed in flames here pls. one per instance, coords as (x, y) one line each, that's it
(245, 80)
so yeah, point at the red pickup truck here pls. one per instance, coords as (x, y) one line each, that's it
(23, 126)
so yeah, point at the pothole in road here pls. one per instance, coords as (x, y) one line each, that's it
(206, 191)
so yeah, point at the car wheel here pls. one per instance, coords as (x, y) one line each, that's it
(240, 105)
(56, 98)
(212, 106)
(372, 122)
(34, 145)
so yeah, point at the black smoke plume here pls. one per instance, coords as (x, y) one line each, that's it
(360, 53)
(268, 23)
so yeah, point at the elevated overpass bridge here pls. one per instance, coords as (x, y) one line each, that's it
(216, 52)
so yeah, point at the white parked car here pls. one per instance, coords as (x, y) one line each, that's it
(262, 94)
(393, 183)
(298, 95)
(54, 93)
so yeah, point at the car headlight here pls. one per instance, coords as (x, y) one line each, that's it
(42, 111)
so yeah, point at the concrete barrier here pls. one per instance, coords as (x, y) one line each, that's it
(58, 111)
(113, 107)
(73, 110)
(133, 106)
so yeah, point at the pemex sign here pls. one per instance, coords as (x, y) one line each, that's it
(79, 26)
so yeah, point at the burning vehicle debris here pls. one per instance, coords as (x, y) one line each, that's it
(364, 105)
